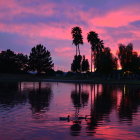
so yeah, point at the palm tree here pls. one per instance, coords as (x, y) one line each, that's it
(96, 44)
(77, 37)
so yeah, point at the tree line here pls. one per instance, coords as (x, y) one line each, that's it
(40, 60)
(102, 58)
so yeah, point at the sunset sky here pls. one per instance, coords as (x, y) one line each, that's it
(26, 23)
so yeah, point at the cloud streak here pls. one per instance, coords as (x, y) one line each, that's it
(121, 17)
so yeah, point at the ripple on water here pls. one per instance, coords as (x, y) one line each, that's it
(34, 113)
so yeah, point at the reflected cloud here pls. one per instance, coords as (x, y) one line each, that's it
(101, 107)
(95, 110)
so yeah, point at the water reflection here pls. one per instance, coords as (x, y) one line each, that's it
(75, 129)
(101, 107)
(130, 102)
(79, 99)
(10, 95)
(93, 109)
(37, 94)
(40, 98)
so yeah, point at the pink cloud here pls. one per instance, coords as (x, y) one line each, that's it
(63, 50)
(121, 17)
(52, 30)
(38, 30)
(136, 32)
(11, 8)
(65, 53)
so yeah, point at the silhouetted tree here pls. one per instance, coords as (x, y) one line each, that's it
(77, 37)
(85, 65)
(13, 63)
(40, 59)
(96, 45)
(105, 62)
(59, 72)
(22, 61)
(135, 64)
(76, 64)
(7, 59)
(129, 59)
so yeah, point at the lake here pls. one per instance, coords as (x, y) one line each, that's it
(52, 111)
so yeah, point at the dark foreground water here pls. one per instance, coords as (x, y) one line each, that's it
(32, 111)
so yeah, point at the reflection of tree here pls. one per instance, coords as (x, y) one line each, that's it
(79, 99)
(40, 99)
(75, 129)
(9, 95)
(101, 107)
(84, 97)
(129, 103)
(76, 98)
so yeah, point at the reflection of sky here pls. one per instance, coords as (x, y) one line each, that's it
(46, 125)
(23, 24)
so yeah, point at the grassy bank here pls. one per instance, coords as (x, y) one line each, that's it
(36, 78)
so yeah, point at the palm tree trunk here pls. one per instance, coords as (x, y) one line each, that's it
(79, 49)
(91, 60)
(94, 55)
(76, 50)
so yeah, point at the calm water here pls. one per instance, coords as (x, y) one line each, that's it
(33, 110)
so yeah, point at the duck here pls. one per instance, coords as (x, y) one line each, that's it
(65, 118)
(80, 118)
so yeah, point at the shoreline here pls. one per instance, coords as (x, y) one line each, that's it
(101, 81)
(34, 78)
